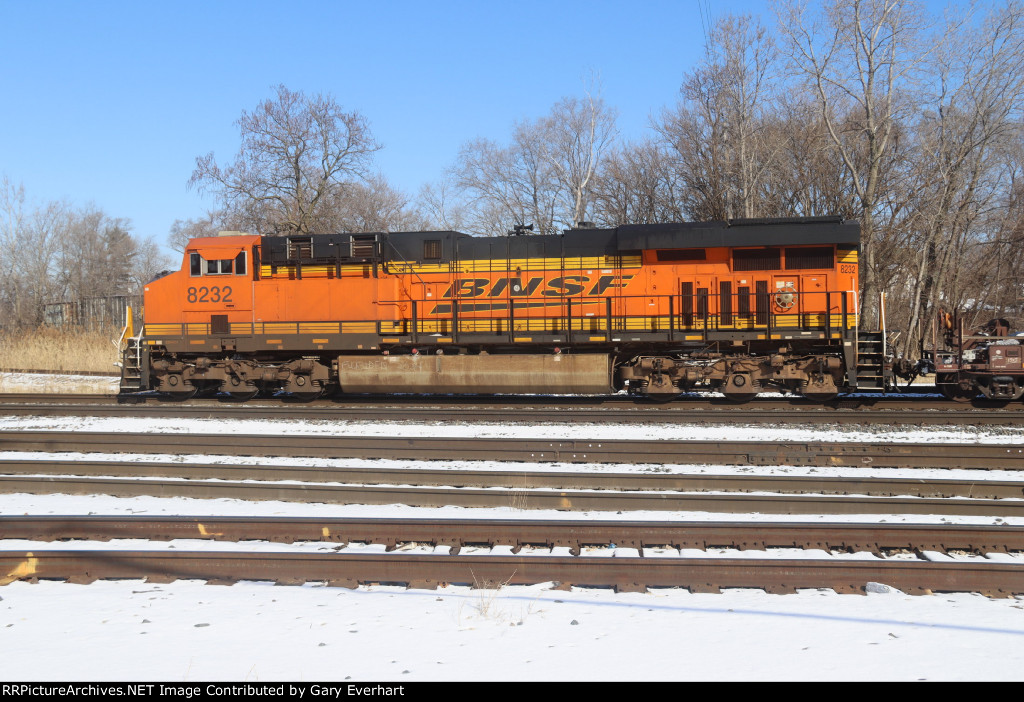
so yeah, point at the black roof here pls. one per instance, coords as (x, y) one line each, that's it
(629, 238)
(741, 232)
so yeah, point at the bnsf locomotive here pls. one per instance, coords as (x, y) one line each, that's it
(658, 309)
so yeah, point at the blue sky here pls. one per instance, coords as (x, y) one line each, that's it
(110, 102)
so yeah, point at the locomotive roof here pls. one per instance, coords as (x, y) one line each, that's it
(452, 245)
(740, 232)
(635, 237)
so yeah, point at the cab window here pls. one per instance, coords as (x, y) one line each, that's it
(224, 266)
(219, 266)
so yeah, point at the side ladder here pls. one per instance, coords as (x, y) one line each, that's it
(131, 366)
(871, 373)
(130, 347)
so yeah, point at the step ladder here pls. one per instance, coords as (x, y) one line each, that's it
(871, 373)
(131, 366)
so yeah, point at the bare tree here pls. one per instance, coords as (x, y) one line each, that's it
(373, 206)
(964, 139)
(860, 58)
(638, 185)
(577, 133)
(717, 132)
(55, 252)
(184, 230)
(507, 186)
(544, 177)
(297, 153)
(442, 206)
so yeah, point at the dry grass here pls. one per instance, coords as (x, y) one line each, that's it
(50, 349)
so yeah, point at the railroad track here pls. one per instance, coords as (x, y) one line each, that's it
(520, 479)
(429, 571)
(764, 453)
(561, 500)
(876, 539)
(929, 572)
(773, 411)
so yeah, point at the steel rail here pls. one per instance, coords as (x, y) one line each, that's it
(560, 480)
(573, 534)
(500, 410)
(838, 453)
(428, 571)
(562, 500)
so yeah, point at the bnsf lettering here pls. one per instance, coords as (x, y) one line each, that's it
(562, 286)
(608, 281)
(470, 287)
(515, 287)
(555, 287)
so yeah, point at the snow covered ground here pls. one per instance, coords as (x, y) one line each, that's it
(190, 631)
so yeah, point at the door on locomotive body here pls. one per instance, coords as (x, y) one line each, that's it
(698, 309)
(814, 300)
(811, 266)
(218, 295)
(741, 306)
(786, 300)
(433, 310)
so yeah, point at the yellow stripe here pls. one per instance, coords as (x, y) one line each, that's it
(318, 328)
(280, 328)
(847, 256)
(500, 325)
(162, 330)
(520, 266)
(358, 327)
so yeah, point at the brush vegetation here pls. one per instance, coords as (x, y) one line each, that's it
(64, 350)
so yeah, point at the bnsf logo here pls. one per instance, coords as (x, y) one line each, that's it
(555, 287)
(564, 285)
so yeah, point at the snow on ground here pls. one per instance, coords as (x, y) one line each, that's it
(41, 382)
(190, 631)
(596, 432)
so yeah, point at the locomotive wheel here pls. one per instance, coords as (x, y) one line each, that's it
(820, 397)
(954, 390)
(663, 397)
(822, 391)
(182, 395)
(243, 395)
(659, 388)
(739, 388)
(207, 389)
(306, 396)
(739, 397)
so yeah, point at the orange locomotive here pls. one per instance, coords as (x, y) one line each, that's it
(657, 309)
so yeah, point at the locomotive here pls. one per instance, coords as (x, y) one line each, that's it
(739, 306)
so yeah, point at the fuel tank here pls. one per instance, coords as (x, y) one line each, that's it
(550, 374)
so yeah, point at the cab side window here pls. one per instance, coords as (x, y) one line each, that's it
(219, 267)
(225, 266)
